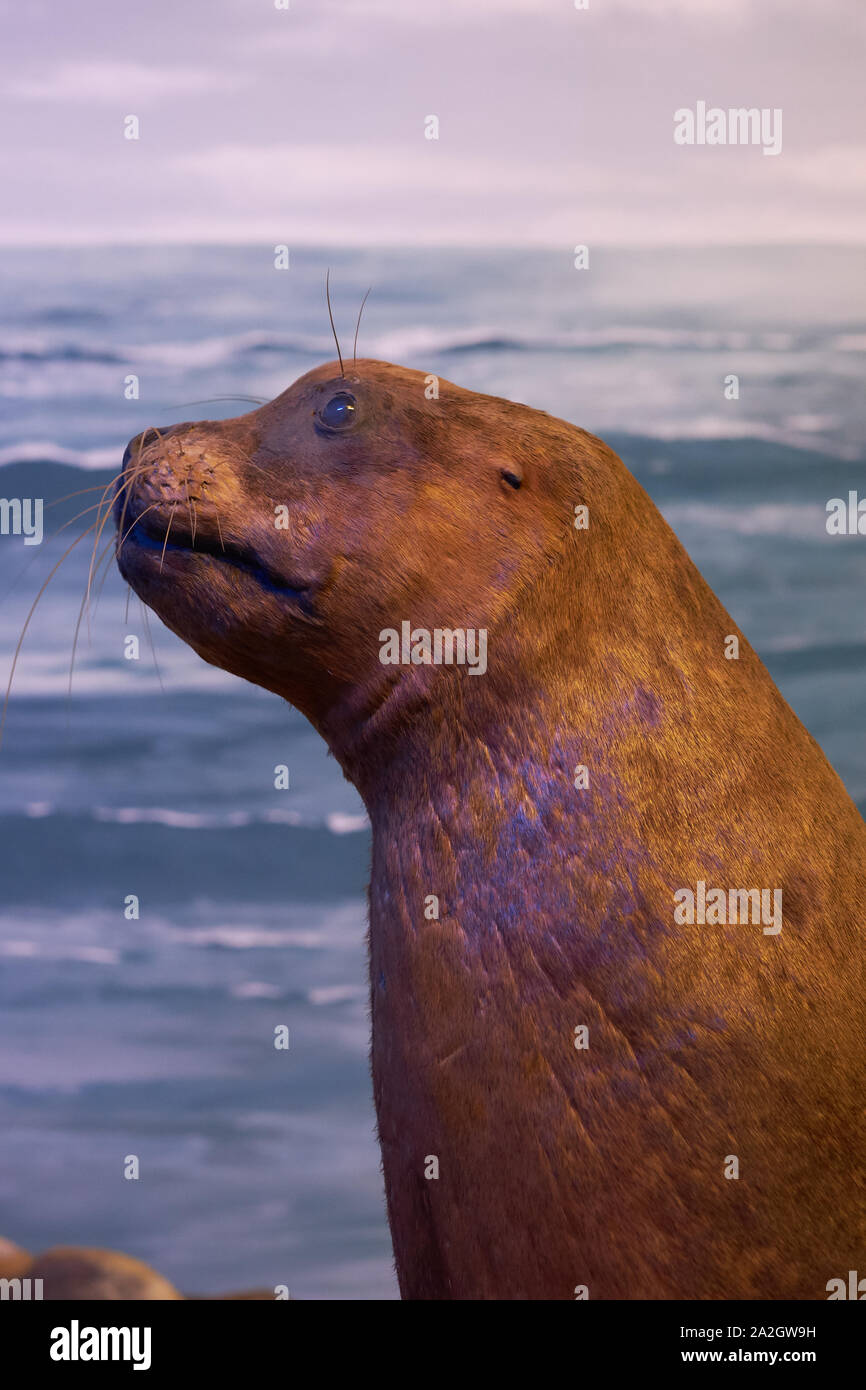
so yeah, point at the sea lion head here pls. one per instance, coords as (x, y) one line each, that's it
(280, 544)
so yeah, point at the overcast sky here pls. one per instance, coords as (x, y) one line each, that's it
(307, 125)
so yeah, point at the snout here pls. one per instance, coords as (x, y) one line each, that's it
(148, 437)
(163, 469)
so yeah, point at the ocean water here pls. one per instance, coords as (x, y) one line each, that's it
(154, 1036)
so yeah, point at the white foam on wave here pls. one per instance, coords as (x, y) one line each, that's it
(176, 820)
(221, 349)
(411, 342)
(54, 934)
(799, 520)
(218, 350)
(337, 822)
(335, 994)
(91, 955)
(802, 431)
(255, 989)
(244, 938)
(46, 451)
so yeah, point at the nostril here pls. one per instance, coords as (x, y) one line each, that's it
(146, 439)
(154, 436)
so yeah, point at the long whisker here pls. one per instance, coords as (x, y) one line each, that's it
(167, 530)
(129, 478)
(47, 542)
(357, 326)
(125, 487)
(211, 400)
(85, 603)
(98, 488)
(136, 474)
(191, 510)
(331, 317)
(27, 621)
(152, 647)
(100, 527)
(112, 482)
(95, 572)
(153, 506)
(106, 571)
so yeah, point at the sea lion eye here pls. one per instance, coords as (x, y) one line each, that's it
(340, 412)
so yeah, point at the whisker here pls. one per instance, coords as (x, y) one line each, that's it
(331, 317)
(47, 542)
(27, 621)
(137, 474)
(153, 506)
(357, 326)
(190, 509)
(105, 573)
(100, 487)
(85, 602)
(152, 647)
(212, 400)
(125, 487)
(167, 530)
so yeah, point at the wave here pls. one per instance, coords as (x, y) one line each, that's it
(337, 822)
(194, 352)
(800, 520)
(44, 451)
(237, 938)
(322, 997)
(424, 340)
(35, 950)
(799, 432)
(46, 933)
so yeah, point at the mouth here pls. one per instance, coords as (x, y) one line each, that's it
(214, 550)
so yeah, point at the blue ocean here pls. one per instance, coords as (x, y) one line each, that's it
(154, 1036)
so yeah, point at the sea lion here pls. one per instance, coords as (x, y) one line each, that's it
(79, 1272)
(578, 1093)
(14, 1262)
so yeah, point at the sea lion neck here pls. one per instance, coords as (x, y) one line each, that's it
(570, 664)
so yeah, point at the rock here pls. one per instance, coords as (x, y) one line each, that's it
(13, 1260)
(76, 1272)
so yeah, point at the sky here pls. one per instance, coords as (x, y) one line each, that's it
(307, 124)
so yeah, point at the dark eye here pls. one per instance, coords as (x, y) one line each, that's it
(340, 412)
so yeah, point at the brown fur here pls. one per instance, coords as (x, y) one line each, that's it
(78, 1272)
(558, 1167)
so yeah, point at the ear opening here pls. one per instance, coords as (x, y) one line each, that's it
(512, 474)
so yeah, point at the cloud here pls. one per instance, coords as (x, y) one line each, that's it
(837, 169)
(268, 174)
(556, 124)
(468, 12)
(118, 82)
